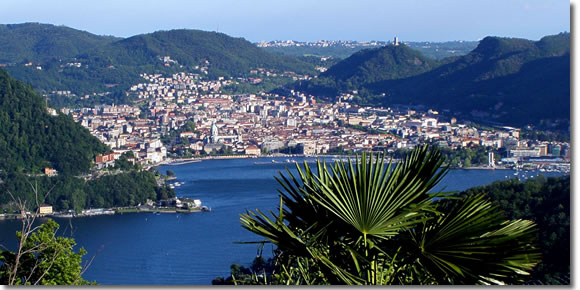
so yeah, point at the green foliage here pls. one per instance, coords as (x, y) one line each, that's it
(366, 224)
(259, 273)
(547, 203)
(67, 192)
(558, 136)
(124, 163)
(365, 129)
(466, 156)
(31, 139)
(47, 259)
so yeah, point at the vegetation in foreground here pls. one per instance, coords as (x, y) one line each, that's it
(364, 224)
(42, 258)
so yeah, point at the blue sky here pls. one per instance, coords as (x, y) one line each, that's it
(304, 20)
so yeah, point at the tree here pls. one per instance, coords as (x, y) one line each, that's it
(363, 223)
(41, 257)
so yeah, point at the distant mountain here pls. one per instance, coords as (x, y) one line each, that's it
(35, 42)
(384, 63)
(342, 49)
(31, 138)
(514, 81)
(503, 80)
(369, 66)
(227, 55)
(67, 59)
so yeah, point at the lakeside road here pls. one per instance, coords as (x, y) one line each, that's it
(184, 161)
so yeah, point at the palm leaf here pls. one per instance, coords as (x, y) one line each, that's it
(471, 242)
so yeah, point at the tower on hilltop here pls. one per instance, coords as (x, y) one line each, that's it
(396, 41)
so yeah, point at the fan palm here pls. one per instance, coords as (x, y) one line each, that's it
(364, 223)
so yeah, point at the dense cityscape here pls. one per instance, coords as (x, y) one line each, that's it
(185, 115)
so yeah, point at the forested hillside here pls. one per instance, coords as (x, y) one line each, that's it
(34, 42)
(31, 138)
(370, 66)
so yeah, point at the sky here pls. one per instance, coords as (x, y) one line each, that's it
(304, 20)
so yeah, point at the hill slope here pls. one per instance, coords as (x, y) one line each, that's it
(226, 54)
(512, 81)
(35, 42)
(31, 139)
(369, 66)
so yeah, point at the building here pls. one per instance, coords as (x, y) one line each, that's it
(105, 160)
(525, 152)
(50, 171)
(252, 150)
(45, 209)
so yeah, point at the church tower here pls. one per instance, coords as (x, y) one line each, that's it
(214, 133)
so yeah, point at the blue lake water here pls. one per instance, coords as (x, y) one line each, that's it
(193, 249)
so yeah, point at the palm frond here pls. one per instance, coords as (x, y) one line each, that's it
(473, 243)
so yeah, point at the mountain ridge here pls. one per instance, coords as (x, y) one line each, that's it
(86, 66)
(503, 80)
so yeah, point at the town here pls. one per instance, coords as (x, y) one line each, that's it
(186, 115)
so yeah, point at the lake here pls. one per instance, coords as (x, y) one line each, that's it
(193, 249)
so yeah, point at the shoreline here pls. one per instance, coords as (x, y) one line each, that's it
(184, 161)
(111, 211)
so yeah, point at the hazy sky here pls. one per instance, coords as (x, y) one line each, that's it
(303, 20)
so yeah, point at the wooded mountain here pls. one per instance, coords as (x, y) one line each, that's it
(31, 138)
(370, 66)
(228, 55)
(109, 64)
(34, 42)
(503, 80)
